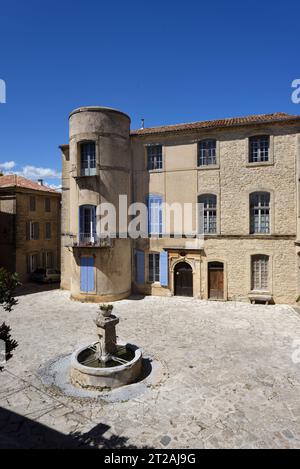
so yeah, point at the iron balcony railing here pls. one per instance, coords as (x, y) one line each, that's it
(86, 240)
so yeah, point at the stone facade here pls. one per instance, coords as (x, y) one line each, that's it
(231, 179)
(16, 245)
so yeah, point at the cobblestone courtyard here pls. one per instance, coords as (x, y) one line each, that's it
(229, 379)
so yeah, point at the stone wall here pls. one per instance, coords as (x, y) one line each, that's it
(232, 180)
(24, 246)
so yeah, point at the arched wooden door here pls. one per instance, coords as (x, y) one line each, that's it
(216, 281)
(183, 279)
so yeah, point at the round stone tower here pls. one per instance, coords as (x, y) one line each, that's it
(100, 172)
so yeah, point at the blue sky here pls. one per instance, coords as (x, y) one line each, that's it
(165, 61)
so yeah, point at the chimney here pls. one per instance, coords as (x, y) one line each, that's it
(40, 182)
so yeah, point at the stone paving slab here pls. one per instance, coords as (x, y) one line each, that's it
(231, 381)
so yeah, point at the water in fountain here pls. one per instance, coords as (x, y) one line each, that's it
(106, 353)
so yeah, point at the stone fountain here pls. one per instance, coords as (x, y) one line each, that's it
(107, 363)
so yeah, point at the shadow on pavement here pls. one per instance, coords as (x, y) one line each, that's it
(30, 287)
(18, 432)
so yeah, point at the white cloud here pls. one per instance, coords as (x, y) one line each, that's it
(33, 172)
(7, 165)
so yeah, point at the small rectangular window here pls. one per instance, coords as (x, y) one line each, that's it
(154, 271)
(154, 155)
(208, 221)
(33, 260)
(259, 149)
(260, 212)
(207, 152)
(32, 204)
(88, 158)
(49, 260)
(260, 272)
(47, 204)
(34, 230)
(48, 230)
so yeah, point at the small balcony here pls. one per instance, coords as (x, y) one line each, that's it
(86, 240)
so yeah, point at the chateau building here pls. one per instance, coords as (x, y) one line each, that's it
(29, 226)
(245, 173)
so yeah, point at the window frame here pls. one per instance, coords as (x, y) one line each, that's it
(88, 170)
(32, 203)
(260, 158)
(30, 263)
(154, 267)
(263, 218)
(47, 204)
(51, 254)
(154, 166)
(208, 217)
(87, 214)
(34, 230)
(263, 283)
(206, 157)
(271, 161)
(48, 234)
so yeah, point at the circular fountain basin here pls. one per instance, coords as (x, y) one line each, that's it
(110, 375)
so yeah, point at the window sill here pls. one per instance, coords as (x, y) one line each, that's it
(259, 164)
(78, 176)
(209, 166)
(155, 170)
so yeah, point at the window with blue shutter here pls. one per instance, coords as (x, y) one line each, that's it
(154, 214)
(140, 267)
(164, 269)
(153, 267)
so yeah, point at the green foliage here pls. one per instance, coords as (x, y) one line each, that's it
(8, 284)
(5, 335)
(106, 307)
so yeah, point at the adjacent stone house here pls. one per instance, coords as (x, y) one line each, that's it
(245, 173)
(29, 225)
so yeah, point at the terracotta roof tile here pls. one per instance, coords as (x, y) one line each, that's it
(12, 180)
(231, 122)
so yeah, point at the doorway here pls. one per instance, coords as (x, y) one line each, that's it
(87, 278)
(216, 281)
(183, 279)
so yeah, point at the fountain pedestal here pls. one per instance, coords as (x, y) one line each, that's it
(106, 330)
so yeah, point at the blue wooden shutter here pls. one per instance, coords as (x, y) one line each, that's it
(140, 267)
(164, 269)
(90, 274)
(83, 274)
(154, 215)
(87, 277)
